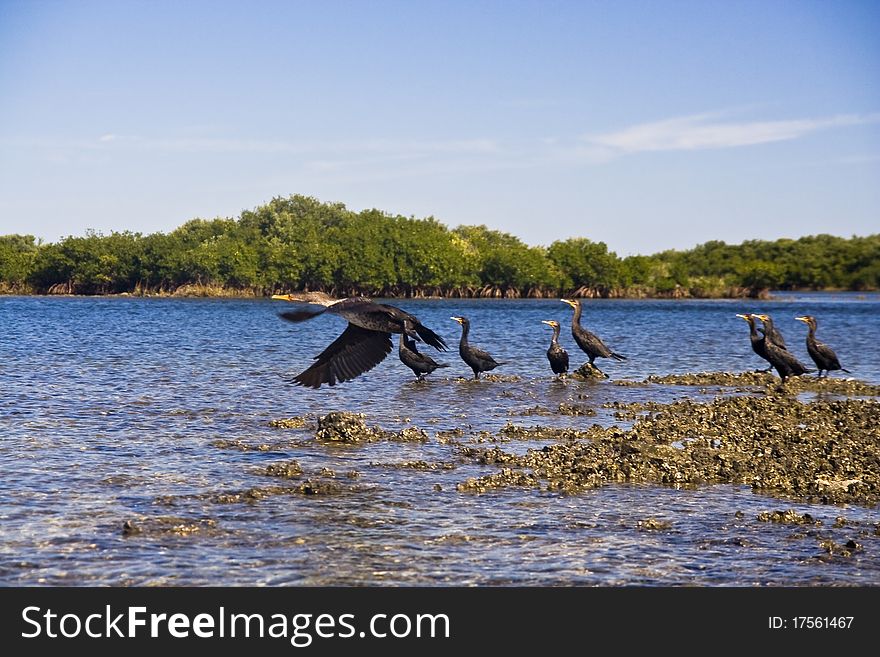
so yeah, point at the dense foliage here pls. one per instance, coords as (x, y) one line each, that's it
(300, 243)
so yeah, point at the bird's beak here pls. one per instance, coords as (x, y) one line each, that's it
(457, 319)
(763, 318)
(544, 321)
(745, 317)
(283, 297)
(569, 302)
(802, 319)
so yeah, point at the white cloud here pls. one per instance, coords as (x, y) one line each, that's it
(703, 131)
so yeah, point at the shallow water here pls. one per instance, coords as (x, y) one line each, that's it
(113, 408)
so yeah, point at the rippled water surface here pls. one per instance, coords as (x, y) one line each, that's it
(157, 411)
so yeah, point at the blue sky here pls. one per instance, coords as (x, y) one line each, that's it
(646, 125)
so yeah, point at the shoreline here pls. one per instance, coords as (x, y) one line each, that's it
(226, 293)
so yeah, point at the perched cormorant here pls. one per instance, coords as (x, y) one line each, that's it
(771, 332)
(756, 339)
(364, 343)
(782, 360)
(590, 343)
(821, 353)
(479, 360)
(421, 364)
(556, 354)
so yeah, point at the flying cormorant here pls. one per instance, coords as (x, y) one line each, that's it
(421, 364)
(590, 343)
(556, 354)
(364, 343)
(821, 353)
(479, 360)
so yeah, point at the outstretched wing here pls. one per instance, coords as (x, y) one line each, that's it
(410, 344)
(351, 354)
(430, 337)
(302, 314)
(402, 317)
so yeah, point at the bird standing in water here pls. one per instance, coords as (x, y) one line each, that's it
(821, 353)
(771, 331)
(556, 353)
(364, 343)
(476, 358)
(756, 339)
(421, 364)
(782, 360)
(590, 343)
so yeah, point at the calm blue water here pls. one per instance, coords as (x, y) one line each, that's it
(112, 408)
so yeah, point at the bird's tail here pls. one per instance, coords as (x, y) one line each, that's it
(301, 315)
(430, 337)
(617, 356)
(845, 370)
(439, 365)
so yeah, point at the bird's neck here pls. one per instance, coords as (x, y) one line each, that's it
(577, 315)
(555, 338)
(465, 329)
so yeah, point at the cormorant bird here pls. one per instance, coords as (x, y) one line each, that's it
(590, 343)
(421, 364)
(756, 339)
(821, 353)
(771, 332)
(364, 343)
(479, 360)
(556, 354)
(782, 360)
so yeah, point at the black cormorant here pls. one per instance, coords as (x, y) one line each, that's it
(556, 354)
(479, 360)
(364, 343)
(782, 360)
(590, 343)
(771, 332)
(756, 339)
(822, 354)
(421, 364)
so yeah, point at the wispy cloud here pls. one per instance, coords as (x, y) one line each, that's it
(389, 158)
(701, 131)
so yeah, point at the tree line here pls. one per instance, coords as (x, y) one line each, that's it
(298, 243)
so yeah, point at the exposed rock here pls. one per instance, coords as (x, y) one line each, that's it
(296, 422)
(824, 451)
